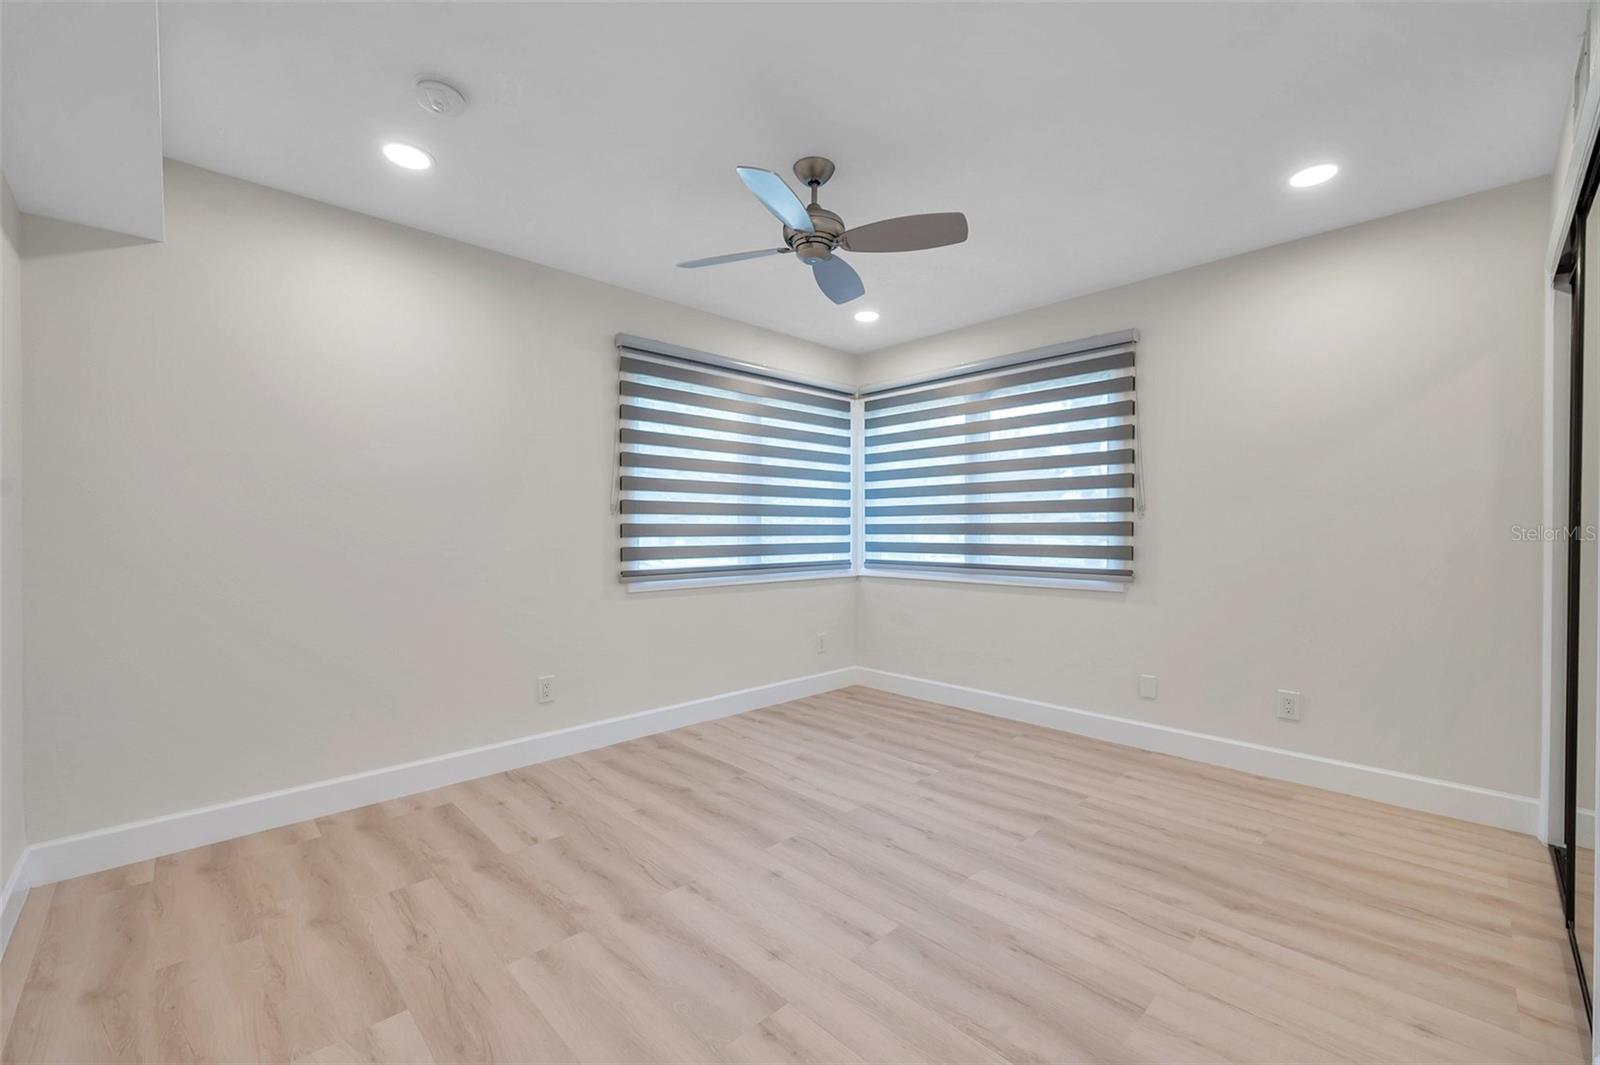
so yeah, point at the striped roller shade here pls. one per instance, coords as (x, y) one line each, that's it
(728, 474)
(1025, 470)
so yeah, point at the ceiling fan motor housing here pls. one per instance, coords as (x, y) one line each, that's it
(818, 245)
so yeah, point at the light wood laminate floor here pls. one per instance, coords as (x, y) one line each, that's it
(852, 877)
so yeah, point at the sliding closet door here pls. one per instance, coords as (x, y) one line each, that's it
(1588, 646)
(1576, 591)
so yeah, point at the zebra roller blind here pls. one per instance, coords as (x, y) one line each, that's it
(730, 474)
(1024, 471)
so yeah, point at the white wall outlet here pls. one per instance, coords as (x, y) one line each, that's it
(822, 643)
(1147, 685)
(547, 689)
(1288, 705)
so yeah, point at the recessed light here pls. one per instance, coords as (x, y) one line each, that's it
(408, 156)
(1313, 175)
(866, 316)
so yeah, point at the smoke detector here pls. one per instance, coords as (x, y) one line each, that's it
(440, 98)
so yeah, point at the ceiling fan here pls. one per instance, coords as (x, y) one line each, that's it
(816, 234)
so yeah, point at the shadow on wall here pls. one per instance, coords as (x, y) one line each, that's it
(67, 238)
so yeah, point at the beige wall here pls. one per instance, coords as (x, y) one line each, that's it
(318, 494)
(12, 835)
(311, 493)
(1337, 434)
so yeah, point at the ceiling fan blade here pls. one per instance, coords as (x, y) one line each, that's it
(776, 196)
(912, 232)
(738, 256)
(837, 279)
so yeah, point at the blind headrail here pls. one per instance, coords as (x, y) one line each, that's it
(1086, 346)
(646, 346)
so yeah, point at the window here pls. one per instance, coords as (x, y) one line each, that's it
(729, 473)
(1015, 469)
(1021, 470)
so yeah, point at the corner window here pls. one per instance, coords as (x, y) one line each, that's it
(724, 474)
(1021, 471)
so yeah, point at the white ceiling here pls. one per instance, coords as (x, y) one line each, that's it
(1089, 144)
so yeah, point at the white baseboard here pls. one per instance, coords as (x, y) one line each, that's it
(12, 896)
(107, 848)
(59, 859)
(1520, 813)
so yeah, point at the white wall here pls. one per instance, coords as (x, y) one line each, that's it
(1337, 435)
(12, 834)
(311, 493)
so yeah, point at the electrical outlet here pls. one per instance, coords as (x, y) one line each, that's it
(1288, 705)
(1147, 685)
(547, 689)
(822, 643)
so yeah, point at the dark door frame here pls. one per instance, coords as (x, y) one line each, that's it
(1570, 276)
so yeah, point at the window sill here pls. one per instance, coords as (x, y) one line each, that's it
(667, 584)
(1073, 583)
(1066, 583)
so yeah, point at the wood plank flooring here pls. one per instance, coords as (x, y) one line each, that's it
(855, 877)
